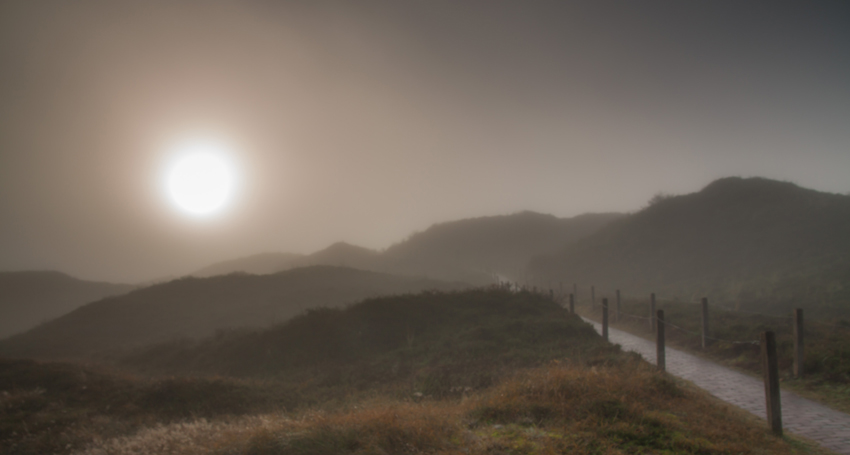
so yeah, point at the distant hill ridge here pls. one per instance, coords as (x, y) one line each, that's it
(29, 298)
(258, 264)
(739, 239)
(470, 250)
(197, 307)
(339, 254)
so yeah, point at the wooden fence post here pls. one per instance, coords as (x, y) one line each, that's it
(617, 311)
(660, 354)
(652, 312)
(771, 382)
(572, 304)
(605, 319)
(799, 358)
(704, 322)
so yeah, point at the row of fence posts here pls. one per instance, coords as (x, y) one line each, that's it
(770, 367)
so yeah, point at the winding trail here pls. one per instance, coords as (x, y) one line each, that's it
(799, 415)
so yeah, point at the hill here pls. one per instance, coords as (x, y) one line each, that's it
(475, 249)
(197, 307)
(752, 241)
(30, 298)
(339, 254)
(471, 333)
(258, 264)
(471, 250)
(343, 255)
(485, 371)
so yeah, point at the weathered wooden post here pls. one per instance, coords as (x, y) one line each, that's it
(605, 319)
(704, 322)
(572, 304)
(770, 370)
(652, 311)
(799, 358)
(593, 296)
(617, 311)
(660, 354)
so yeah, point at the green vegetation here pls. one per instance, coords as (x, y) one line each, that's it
(431, 342)
(472, 249)
(197, 307)
(480, 371)
(60, 407)
(827, 343)
(623, 409)
(755, 243)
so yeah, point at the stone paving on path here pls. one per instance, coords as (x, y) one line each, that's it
(799, 415)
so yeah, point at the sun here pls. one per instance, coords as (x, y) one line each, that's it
(200, 179)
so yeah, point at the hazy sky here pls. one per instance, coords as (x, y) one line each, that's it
(364, 121)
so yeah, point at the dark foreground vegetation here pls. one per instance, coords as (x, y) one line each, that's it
(483, 371)
(736, 334)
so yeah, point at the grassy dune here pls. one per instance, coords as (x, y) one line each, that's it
(621, 409)
(482, 371)
(827, 343)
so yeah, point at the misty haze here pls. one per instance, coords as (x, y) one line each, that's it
(404, 227)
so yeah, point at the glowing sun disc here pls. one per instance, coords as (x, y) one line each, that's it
(200, 183)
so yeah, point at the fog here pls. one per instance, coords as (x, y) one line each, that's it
(367, 121)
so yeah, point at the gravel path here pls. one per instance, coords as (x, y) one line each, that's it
(799, 415)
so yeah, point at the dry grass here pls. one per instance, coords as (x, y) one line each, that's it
(622, 409)
(180, 438)
(827, 345)
(628, 409)
(393, 396)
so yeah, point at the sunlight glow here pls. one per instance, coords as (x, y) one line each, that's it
(200, 181)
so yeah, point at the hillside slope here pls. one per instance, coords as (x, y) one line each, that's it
(475, 331)
(29, 298)
(339, 254)
(258, 264)
(474, 249)
(485, 372)
(197, 307)
(746, 240)
(470, 250)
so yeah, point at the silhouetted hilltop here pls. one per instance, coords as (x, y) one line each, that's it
(339, 254)
(197, 307)
(477, 248)
(258, 264)
(29, 298)
(344, 255)
(470, 250)
(750, 239)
